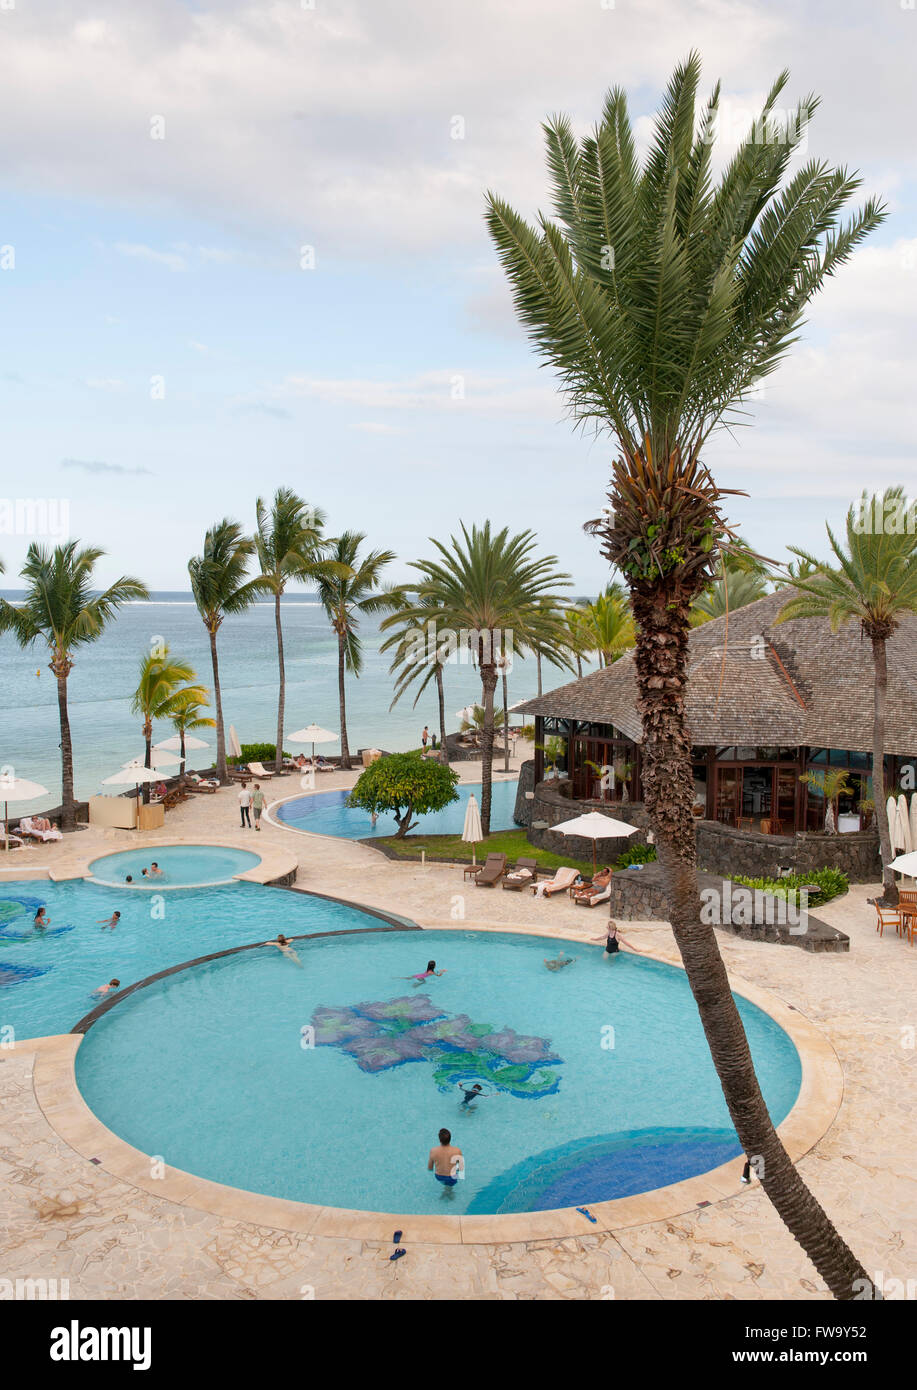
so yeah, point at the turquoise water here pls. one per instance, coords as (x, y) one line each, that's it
(181, 865)
(324, 813)
(47, 978)
(104, 677)
(598, 1077)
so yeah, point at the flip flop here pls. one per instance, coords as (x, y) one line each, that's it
(588, 1215)
(397, 1255)
(396, 1237)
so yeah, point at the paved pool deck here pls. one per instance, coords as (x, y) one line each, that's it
(115, 1232)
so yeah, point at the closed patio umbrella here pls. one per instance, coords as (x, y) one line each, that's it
(595, 826)
(904, 827)
(891, 811)
(16, 789)
(472, 831)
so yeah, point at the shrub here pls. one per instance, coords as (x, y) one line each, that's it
(831, 884)
(259, 753)
(404, 783)
(637, 854)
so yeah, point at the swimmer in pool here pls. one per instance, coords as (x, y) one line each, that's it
(155, 871)
(129, 879)
(475, 1093)
(424, 974)
(112, 921)
(284, 947)
(445, 1160)
(42, 919)
(560, 960)
(105, 989)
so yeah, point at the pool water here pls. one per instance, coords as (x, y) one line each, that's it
(324, 813)
(181, 865)
(47, 977)
(597, 1077)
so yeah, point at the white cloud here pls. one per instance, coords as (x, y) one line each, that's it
(171, 259)
(107, 383)
(455, 390)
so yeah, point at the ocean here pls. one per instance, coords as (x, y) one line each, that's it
(106, 734)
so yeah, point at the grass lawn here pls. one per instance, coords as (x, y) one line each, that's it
(512, 843)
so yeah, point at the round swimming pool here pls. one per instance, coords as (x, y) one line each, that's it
(324, 813)
(327, 1080)
(182, 866)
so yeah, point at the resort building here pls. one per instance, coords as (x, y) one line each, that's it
(767, 703)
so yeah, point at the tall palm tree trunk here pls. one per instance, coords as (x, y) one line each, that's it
(488, 686)
(148, 758)
(222, 774)
(181, 768)
(282, 697)
(440, 695)
(879, 696)
(661, 615)
(538, 669)
(68, 808)
(345, 750)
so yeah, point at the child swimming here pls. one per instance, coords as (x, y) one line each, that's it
(105, 989)
(424, 974)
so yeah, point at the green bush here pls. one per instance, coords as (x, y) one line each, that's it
(831, 884)
(637, 854)
(259, 753)
(404, 783)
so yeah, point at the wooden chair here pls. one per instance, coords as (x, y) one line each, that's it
(887, 917)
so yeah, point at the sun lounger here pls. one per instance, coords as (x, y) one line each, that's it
(27, 827)
(524, 874)
(200, 784)
(240, 774)
(14, 840)
(563, 879)
(601, 895)
(258, 771)
(491, 871)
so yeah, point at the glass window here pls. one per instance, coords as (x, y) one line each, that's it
(744, 754)
(726, 755)
(838, 757)
(818, 755)
(860, 760)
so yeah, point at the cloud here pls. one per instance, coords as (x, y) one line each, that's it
(376, 427)
(198, 347)
(106, 383)
(439, 390)
(97, 466)
(171, 259)
(278, 412)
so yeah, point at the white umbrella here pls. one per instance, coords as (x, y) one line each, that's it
(906, 864)
(595, 826)
(233, 746)
(891, 811)
(158, 759)
(913, 819)
(173, 744)
(312, 733)
(466, 715)
(17, 789)
(904, 826)
(472, 830)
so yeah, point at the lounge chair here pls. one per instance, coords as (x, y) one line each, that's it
(14, 841)
(524, 874)
(28, 826)
(193, 783)
(240, 774)
(173, 798)
(563, 879)
(492, 870)
(601, 895)
(258, 771)
(593, 889)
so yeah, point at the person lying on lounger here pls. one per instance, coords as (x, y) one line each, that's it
(597, 886)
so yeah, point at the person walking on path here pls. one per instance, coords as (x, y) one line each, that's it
(257, 804)
(245, 803)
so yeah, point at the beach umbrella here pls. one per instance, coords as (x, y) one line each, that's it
(312, 733)
(595, 826)
(132, 774)
(233, 746)
(158, 759)
(466, 715)
(904, 826)
(472, 831)
(913, 819)
(16, 789)
(891, 811)
(173, 744)
(906, 864)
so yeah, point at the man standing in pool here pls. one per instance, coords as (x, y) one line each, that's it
(155, 871)
(446, 1160)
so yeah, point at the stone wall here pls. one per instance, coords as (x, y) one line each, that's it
(552, 803)
(724, 850)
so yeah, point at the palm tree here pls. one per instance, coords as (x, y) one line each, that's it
(163, 686)
(346, 591)
(418, 657)
(735, 587)
(187, 716)
(661, 297)
(221, 587)
(494, 596)
(62, 609)
(578, 642)
(873, 583)
(288, 544)
(608, 625)
(830, 783)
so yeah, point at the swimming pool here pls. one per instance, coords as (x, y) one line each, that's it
(598, 1079)
(324, 813)
(47, 977)
(182, 866)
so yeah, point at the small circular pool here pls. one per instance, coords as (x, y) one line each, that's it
(324, 813)
(327, 1080)
(182, 866)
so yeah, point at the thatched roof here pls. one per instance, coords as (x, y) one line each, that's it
(788, 684)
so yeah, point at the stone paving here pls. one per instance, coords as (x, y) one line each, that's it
(63, 1217)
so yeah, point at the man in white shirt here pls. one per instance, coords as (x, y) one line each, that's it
(245, 804)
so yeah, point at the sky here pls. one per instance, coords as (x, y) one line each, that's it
(242, 246)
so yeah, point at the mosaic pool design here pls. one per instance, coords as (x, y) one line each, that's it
(597, 1081)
